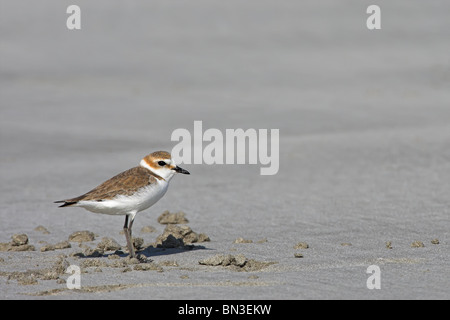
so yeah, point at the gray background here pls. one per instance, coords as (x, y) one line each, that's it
(364, 119)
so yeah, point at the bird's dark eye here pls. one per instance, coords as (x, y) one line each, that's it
(161, 163)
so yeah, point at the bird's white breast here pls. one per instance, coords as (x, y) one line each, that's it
(129, 204)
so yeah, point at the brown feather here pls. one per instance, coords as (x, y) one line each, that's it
(125, 183)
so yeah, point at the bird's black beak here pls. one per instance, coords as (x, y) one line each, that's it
(181, 170)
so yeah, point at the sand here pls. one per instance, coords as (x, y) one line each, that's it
(364, 148)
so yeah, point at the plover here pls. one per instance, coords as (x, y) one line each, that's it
(131, 191)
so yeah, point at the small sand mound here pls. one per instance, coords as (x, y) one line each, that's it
(58, 246)
(172, 218)
(31, 277)
(175, 236)
(417, 244)
(82, 236)
(19, 242)
(301, 245)
(237, 263)
(42, 229)
(108, 244)
(19, 239)
(148, 229)
(242, 240)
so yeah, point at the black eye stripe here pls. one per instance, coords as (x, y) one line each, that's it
(162, 163)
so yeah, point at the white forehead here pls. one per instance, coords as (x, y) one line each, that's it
(170, 162)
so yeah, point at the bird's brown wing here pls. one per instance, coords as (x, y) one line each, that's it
(125, 183)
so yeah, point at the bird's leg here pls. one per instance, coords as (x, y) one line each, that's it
(129, 227)
(127, 231)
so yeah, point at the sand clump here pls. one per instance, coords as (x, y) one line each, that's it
(148, 229)
(92, 252)
(31, 277)
(25, 247)
(19, 239)
(301, 245)
(108, 244)
(224, 260)
(19, 242)
(346, 244)
(172, 218)
(242, 240)
(235, 262)
(93, 263)
(169, 263)
(60, 245)
(140, 263)
(42, 229)
(82, 236)
(138, 243)
(417, 244)
(175, 236)
(148, 266)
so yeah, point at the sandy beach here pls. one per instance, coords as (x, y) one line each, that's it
(364, 148)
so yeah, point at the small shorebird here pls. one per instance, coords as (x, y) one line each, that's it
(131, 191)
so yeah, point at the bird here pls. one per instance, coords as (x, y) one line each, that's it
(130, 191)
